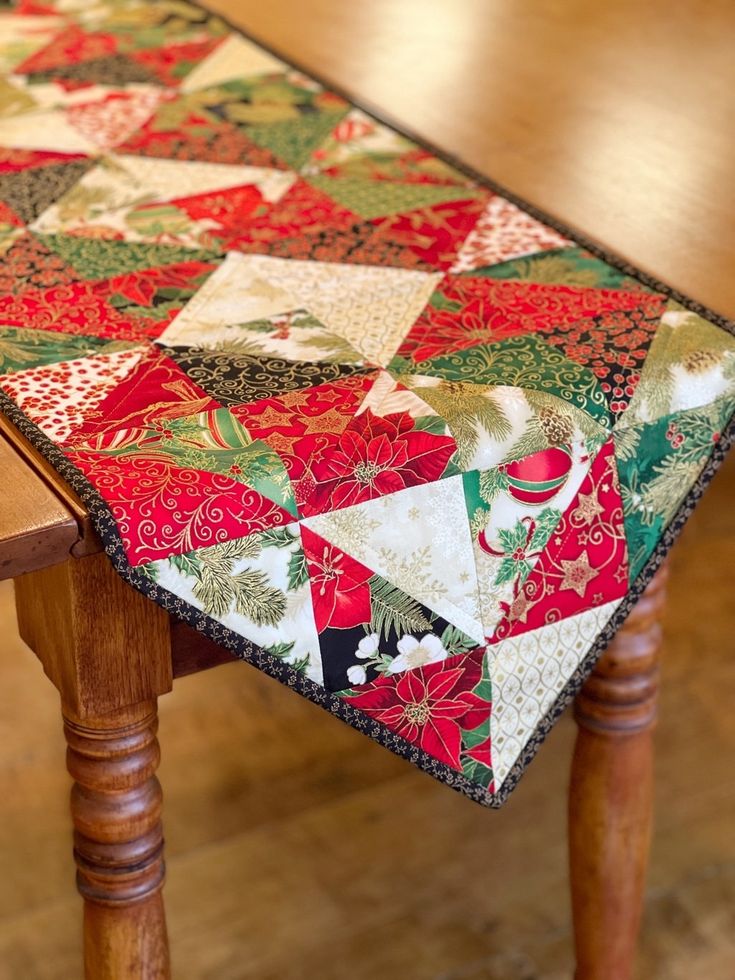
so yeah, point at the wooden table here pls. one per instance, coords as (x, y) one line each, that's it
(615, 118)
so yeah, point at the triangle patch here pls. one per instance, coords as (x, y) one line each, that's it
(528, 672)
(59, 397)
(368, 306)
(585, 560)
(430, 536)
(503, 232)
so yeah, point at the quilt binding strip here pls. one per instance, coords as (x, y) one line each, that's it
(247, 651)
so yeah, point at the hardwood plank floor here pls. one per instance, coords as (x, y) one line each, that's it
(300, 851)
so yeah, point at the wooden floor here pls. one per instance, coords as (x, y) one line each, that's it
(298, 850)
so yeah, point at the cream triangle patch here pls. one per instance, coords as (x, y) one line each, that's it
(371, 307)
(233, 58)
(528, 672)
(45, 130)
(426, 549)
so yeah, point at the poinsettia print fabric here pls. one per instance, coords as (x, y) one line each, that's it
(339, 403)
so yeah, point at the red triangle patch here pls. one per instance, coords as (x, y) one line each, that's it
(585, 562)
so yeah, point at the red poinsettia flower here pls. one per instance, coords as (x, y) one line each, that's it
(340, 592)
(429, 706)
(375, 456)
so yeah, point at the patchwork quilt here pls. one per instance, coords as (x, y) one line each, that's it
(343, 405)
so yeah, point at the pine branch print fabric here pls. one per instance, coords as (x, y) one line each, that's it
(344, 406)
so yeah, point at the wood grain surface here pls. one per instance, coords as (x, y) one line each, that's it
(611, 792)
(36, 529)
(87, 541)
(616, 117)
(104, 645)
(116, 803)
(42, 521)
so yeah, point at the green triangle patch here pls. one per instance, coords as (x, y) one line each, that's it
(376, 198)
(562, 267)
(21, 349)
(99, 259)
(293, 140)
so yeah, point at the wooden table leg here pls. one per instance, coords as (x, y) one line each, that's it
(118, 842)
(107, 649)
(611, 793)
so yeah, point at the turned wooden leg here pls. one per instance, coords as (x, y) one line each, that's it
(611, 793)
(118, 842)
(107, 649)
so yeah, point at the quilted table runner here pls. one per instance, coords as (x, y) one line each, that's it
(349, 409)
